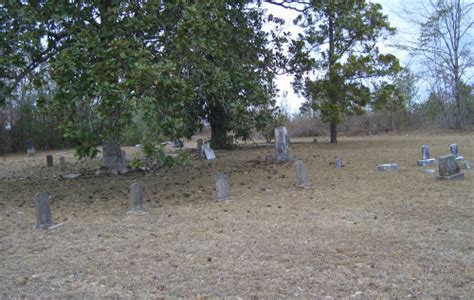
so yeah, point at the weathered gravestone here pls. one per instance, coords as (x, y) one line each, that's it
(388, 167)
(136, 197)
(222, 188)
(30, 148)
(448, 168)
(339, 163)
(207, 152)
(62, 162)
(49, 160)
(199, 145)
(302, 175)
(44, 219)
(425, 157)
(281, 145)
(454, 149)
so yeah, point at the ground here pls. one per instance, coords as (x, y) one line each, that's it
(357, 232)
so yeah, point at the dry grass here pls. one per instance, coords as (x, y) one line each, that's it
(358, 232)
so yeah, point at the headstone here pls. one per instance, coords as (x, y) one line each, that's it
(49, 160)
(429, 171)
(281, 145)
(302, 175)
(339, 163)
(425, 157)
(136, 197)
(454, 149)
(388, 167)
(44, 219)
(448, 168)
(30, 148)
(467, 165)
(222, 187)
(208, 153)
(199, 145)
(62, 162)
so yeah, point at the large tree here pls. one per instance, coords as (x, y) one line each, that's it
(176, 62)
(102, 57)
(336, 60)
(222, 52)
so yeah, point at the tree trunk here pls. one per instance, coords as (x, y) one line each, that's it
(333, 126)
(113, 158)
(218, 127)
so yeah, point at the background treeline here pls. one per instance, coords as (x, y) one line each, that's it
(102, 74)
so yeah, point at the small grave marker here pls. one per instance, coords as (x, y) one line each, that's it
(44, 220)
(425, 157)
(207, 151)
(49, 160)
(62, 162)
(454, 149)
(388, 167)
(302, 175)
(222, 187)
(339, 163)
(281, 145)
(136, 197)
(30, 148)
(467, 165)
(448, 168)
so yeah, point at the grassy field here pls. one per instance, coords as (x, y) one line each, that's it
(356, 233)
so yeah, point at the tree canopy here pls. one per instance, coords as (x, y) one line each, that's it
(177, 62)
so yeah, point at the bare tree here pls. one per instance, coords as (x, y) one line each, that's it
(444, 44)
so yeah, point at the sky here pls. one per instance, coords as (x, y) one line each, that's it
(392, 8)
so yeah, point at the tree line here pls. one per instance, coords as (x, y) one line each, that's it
(83, 73)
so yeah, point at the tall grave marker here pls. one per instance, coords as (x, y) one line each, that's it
(44, 219)
(425, 157)
(454, 149)
(281, 145)
(222, 188)
(302, 175)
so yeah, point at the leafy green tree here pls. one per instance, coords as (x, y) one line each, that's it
(104, 59)
(228, 64)
(336, 61)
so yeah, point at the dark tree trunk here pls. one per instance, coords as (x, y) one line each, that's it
(218, 127)
(333, 126)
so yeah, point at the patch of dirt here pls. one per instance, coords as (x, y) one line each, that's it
(357, 232)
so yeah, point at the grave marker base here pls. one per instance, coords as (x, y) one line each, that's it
(451, 177)
(426, 162)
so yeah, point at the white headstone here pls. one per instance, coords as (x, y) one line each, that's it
(222, 187)
(208, 152)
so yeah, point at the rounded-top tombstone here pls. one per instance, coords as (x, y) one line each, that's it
(222, 188)
(44, 218)
(302, 175)
(281, 145)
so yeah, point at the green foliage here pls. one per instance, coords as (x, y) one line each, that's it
(118, 62)
(339, 43)
(137, 163)
(227, 63)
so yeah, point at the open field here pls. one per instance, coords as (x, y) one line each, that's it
(358, 232)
